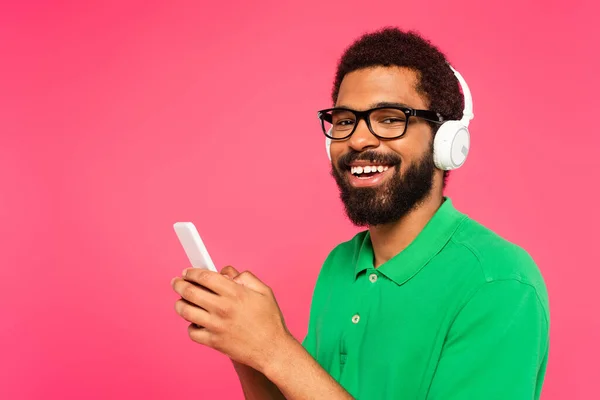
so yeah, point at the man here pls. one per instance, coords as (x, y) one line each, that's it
(424, 304)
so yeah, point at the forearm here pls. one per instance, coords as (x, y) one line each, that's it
(299, 377)
(255, 385)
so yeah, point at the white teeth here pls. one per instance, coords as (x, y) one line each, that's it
(368, 169)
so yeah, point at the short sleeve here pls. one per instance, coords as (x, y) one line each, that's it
(497, 346)
(310, 341)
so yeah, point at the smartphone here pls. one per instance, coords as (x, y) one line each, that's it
(193, 246)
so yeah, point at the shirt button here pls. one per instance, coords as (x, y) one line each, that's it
(356, 318)
(373, 278)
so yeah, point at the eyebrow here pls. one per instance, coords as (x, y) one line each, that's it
(380, 104)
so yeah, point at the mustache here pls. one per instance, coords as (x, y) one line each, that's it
(370, 155)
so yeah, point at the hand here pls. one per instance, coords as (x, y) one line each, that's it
(235, 314)
(231, 273)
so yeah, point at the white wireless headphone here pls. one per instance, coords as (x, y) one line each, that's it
(452, 140)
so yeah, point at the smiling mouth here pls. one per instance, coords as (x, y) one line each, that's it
(363, 174)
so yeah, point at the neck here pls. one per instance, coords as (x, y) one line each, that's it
(390, 239)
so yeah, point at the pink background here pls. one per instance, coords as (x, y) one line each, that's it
(119, 119)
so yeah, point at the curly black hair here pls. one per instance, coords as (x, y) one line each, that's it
(391, 46)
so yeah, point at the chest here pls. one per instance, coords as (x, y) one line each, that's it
(380, 337)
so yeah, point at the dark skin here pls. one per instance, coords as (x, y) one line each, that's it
(238, 314)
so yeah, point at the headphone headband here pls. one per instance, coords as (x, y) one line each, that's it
(468, 111)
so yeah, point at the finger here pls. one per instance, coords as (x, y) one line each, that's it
(211, 280)
(249, 280)
(192, 313)
(230, 272)
(195, 294)
(200, 335)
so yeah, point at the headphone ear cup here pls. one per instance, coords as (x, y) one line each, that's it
(451, 145)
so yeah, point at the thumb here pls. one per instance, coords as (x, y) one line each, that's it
(248, 279)
(229, 272)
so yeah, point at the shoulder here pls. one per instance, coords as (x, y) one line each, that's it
(498, 259)
(338, 264)
(343, 254)
(348, 248)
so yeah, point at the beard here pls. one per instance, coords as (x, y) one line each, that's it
(392, 199)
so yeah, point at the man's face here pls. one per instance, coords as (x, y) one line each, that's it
(386, 196)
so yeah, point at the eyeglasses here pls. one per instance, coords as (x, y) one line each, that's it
(387, 122)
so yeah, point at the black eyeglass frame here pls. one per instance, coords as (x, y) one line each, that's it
(427, 115)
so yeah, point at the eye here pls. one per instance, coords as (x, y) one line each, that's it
(392, 120)
(389, 117)
(344, 122)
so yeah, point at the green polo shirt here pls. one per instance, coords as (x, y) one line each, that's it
(459, 314)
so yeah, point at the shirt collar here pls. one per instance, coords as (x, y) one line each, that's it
(434, 236)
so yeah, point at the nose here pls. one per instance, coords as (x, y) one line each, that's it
(362, 139)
